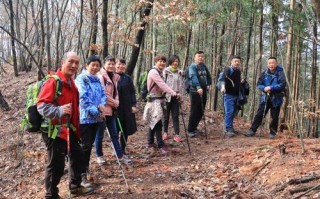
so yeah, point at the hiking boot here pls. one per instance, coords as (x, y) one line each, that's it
(177, 138)
(165, 136)
(125, 159)
(85, 182)
(164, 150)
(229, 133)
(101, 160)
(272, 136)
(192, 134)
(250, 133)
(81, 190)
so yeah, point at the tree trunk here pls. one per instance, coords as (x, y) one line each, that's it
(104, 25)
(48, 49)
(283, 118)
(144, 12)
(275, 27)
(14, 54)
(3, 103)
(313, 85)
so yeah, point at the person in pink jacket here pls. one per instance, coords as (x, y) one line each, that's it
(154, 109)
(109, 80)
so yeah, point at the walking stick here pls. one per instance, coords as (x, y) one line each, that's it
(264, 115)
(185, 128)
(204, 119)
(68, 155)
(121, 130)
(114, 150)
(224, 115)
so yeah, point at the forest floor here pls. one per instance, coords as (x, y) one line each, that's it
(218, 167)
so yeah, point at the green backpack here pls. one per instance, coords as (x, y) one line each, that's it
(32, 119)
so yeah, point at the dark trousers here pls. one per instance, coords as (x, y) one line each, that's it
(123, 135)
(173, 107)
(196, 111)
(88, 135)
(56, 152)
(262, 111)
(156, 131)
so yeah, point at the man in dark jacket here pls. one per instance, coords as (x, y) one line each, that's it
(200, 78)
(230, 88)
(272, 83)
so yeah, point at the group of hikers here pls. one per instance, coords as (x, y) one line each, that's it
(101, 100)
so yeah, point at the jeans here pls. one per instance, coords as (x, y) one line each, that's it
(157, 130)
(262, 111)
(114, 136)
(88, 135)
(99, 137)
(173, 107)
(196, 111)
(230, 102)
(56, 153)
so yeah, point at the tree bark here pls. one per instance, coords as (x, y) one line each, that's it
(144, 12)
(3, 103)
(104, 24)
(14, 54)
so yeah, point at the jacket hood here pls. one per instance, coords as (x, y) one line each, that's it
(279, 68)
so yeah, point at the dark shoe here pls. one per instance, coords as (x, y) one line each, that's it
(250, 133)
(192, 134)
(272, 136)
(229, 133)
(164, 150)
(198, 132)
(85, 182)
(81, 190)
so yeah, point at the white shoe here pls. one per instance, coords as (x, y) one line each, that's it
(101, 160)
(125, 159)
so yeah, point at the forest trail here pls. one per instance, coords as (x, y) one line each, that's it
(237, 167)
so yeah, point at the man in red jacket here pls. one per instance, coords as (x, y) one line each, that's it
(54, 133)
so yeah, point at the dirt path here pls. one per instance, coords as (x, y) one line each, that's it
(237, 167)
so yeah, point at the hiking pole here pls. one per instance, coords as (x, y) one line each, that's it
(114, 150)
(69, 154)
(185, 128)
(204, 119)
(121, 129)
(264, 115)
(224, 115)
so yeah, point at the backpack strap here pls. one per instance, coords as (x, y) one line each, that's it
(153, 85)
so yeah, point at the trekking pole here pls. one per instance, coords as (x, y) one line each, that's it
(224, 115)
(203, 117)
(185, 128)
(264, 115)
(114, 150)
(121, 130)
(69, 154)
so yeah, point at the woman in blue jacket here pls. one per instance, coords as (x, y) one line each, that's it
(92, 102)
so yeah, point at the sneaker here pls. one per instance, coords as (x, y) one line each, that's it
(198, 132)
(165, 136)
(177, 138)
(272, 136)
(101, 160)
(250, 133)
(81, 190)
(229, 133)
(164, 150)
(125, 159)
(192, 134)
(85, 182)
